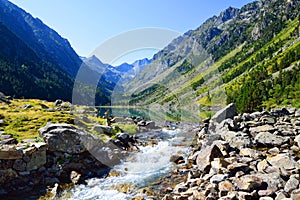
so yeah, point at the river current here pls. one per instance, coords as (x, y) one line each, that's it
(138, 170)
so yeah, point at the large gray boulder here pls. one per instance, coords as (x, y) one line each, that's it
(67, 138)
(206, 155)
(269, 139)
(228, 112)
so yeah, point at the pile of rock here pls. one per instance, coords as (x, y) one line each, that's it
(246, 156)
(67, 155)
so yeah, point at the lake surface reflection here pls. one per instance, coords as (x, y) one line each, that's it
(152, 113)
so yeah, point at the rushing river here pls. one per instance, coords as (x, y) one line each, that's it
(138, 170)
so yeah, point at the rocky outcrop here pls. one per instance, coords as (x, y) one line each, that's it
(67, 155)
(245, 156)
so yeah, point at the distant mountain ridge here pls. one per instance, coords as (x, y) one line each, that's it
(212, 65)
(36, 62)
(120, 74)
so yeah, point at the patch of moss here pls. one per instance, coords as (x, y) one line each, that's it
(24, 123)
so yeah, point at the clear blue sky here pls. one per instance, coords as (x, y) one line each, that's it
(88, 23)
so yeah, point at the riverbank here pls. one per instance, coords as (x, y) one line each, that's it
(55, 144)
(244, 156)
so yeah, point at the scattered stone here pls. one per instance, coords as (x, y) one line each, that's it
(58, 102)
(27, 106)
(258, 157)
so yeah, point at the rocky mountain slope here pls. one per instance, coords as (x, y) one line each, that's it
(36, 62)
(217, 62)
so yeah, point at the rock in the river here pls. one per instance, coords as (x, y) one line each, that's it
(177, 159)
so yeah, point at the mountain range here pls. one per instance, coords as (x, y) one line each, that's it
(249, 56)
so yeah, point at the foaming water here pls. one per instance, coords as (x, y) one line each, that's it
(136, 172)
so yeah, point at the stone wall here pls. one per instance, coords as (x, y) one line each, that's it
(20, 166)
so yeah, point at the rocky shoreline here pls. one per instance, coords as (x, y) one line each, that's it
(243, 156)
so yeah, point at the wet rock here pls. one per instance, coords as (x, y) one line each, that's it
(206, 155)
(268, 139)
(75, 177)
(177, 159)
(228, 112)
